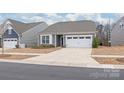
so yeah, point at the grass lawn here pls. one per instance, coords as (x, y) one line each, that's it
(114, 50)
(30, 50)
(15, 57)
(116, 61)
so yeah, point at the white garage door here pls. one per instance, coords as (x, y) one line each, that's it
(10, 42)
(79, 41)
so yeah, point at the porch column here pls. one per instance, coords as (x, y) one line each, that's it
(55, 41)
(63, 40)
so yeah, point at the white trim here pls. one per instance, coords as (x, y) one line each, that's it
(50, 38)
(88, 32)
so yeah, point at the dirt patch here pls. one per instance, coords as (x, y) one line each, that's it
(30, 50)
(4, 55)
(114, 50)
(116, 61)
(120, 59)
(15, 57)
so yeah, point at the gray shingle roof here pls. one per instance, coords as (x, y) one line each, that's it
(21, 27)
(70, 27)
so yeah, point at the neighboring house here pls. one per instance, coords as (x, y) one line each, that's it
(117, 33)
(14, 33)
(69, 34)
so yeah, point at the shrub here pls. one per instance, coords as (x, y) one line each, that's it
(95, 43)
(43, 46)
(17, 46)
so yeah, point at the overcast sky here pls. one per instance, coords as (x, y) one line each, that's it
(51, 18)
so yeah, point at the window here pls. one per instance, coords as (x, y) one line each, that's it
(121, 25)
(45, 39)
(75, 37)
(81, 37)
(88, 37)
(69, 37)
(9, 31)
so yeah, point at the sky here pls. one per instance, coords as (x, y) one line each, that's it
(51, 18)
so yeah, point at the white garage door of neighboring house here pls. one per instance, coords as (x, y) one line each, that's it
(79, 41)
(10, 42)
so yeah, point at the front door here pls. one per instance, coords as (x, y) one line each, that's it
(61, 41)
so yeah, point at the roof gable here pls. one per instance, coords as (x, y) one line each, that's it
(20, 27)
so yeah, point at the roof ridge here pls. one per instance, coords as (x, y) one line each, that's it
(23, 22)
(15, 20)
(73, 21)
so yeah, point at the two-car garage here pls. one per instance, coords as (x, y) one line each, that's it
(79, 41)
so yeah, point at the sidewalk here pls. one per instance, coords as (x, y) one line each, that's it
(24, 53)
(72, 65)
(109, 56)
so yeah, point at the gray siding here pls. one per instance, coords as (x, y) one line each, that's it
(30, 37)
(117, 34)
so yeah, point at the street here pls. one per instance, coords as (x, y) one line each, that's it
(19, 71)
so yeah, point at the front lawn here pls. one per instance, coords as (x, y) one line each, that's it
(15, 57)
(114, 61)
(114, 50)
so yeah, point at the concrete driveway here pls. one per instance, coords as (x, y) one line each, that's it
(65, 57)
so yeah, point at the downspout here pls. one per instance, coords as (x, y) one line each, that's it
(2, 44)
(39, 40)
(55, 40)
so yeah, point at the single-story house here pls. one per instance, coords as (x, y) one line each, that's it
(117, 33)
(14, 33)
(69, 34)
